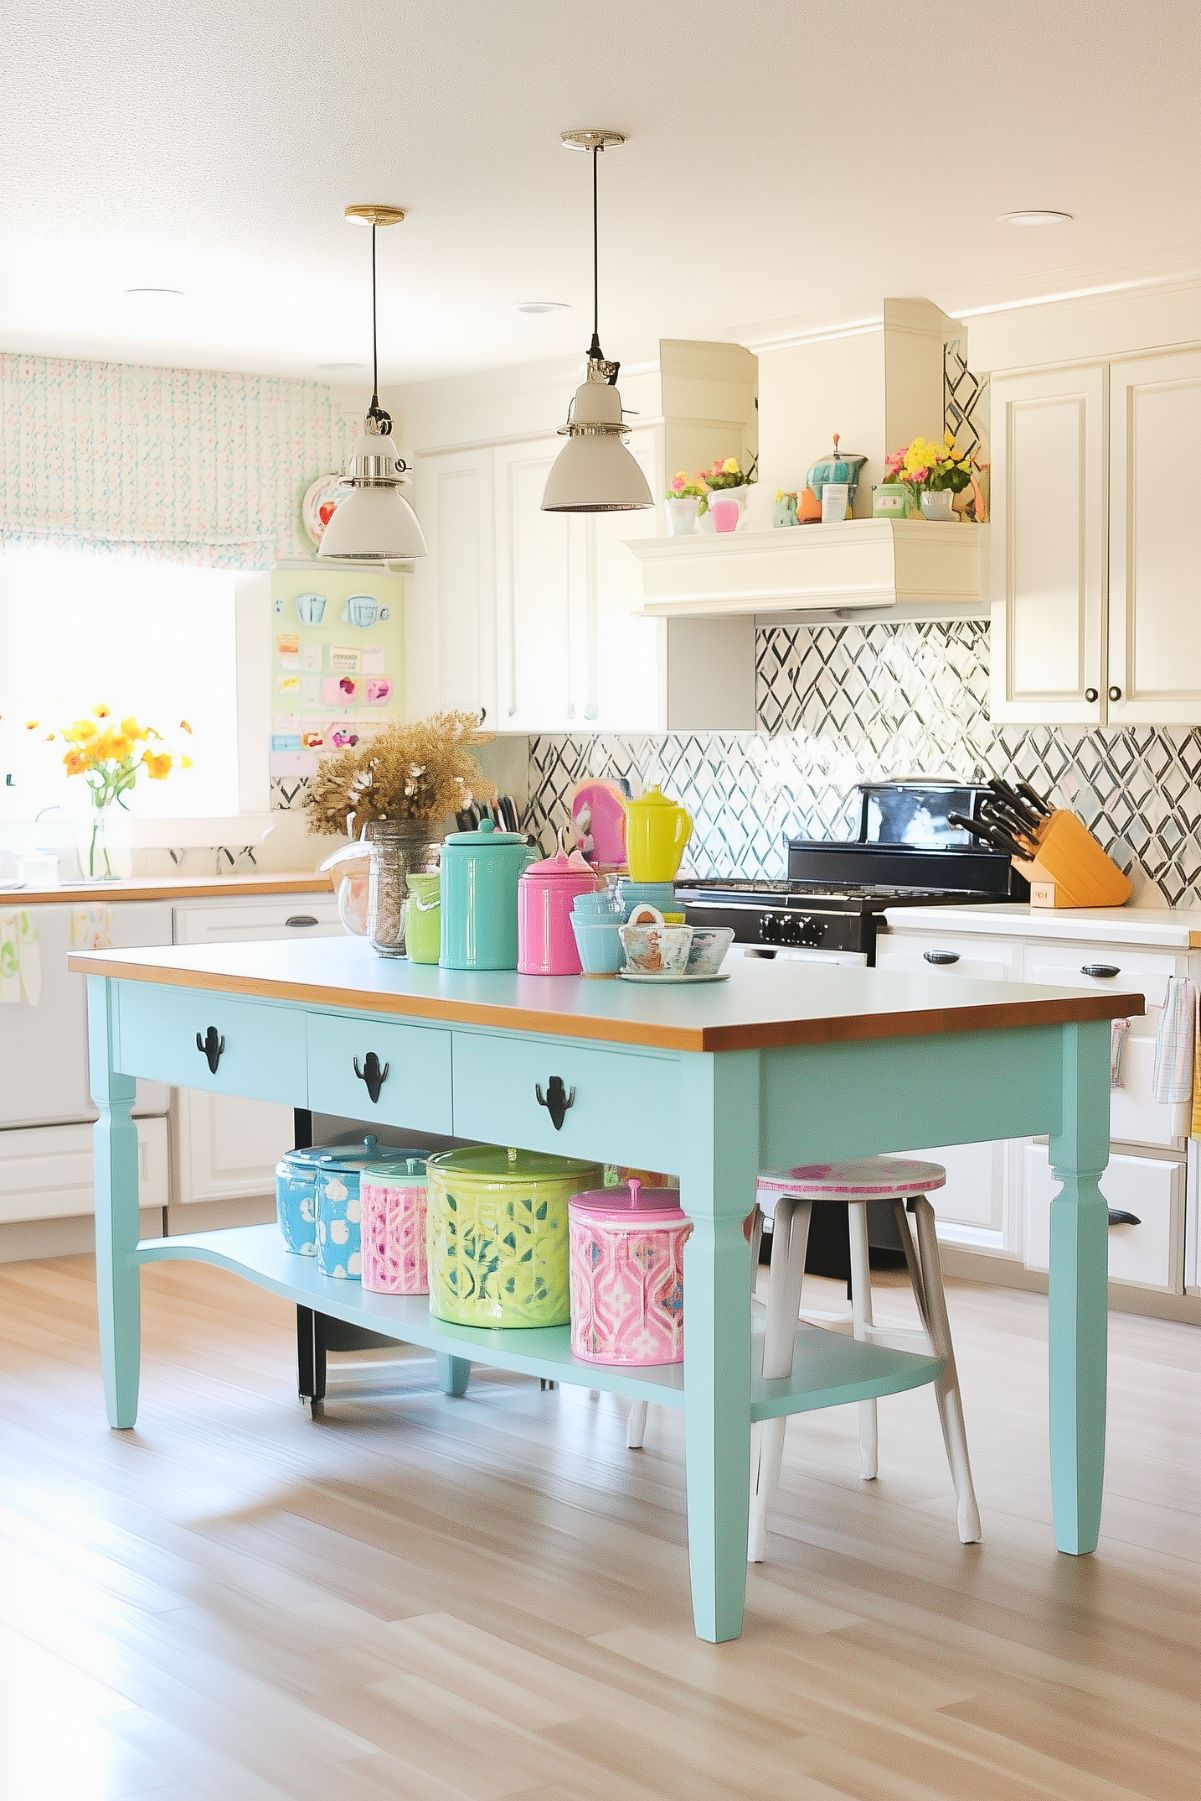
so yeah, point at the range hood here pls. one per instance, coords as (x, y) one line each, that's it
(878, 385)
(863, 563)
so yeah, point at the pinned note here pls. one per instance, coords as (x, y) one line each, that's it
(379, 689)
(374, 659)
(340, 690)
(288, 686)
(311, 656)
(345, 660)
(287, 649)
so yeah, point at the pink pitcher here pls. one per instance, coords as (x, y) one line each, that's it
(545, 941)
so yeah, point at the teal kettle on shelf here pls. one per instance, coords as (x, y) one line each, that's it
(480, 873)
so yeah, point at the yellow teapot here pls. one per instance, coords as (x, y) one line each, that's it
(656, 832)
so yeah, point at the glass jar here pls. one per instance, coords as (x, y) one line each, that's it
(399, 847)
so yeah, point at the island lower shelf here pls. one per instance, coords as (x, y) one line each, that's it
(828, 1370)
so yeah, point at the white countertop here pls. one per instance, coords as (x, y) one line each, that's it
(1168, 928)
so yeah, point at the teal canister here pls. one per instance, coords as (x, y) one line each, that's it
(480, 872)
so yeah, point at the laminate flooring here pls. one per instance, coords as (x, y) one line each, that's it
(422, 1599)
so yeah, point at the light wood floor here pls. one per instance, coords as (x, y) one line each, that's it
(431, 1600)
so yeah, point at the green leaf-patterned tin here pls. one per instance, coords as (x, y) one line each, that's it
(496, 1235)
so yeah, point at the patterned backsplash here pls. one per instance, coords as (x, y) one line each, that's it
(842, 704)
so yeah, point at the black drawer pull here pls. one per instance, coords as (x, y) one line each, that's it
(1101, 970)
(372, 1073)
(941, 957)
(302, 919)
(211, 1047)
(556, 1100)
(1119, 1217)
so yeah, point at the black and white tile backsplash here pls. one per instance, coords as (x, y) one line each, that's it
(842, 704)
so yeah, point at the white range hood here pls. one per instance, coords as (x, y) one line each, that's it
(878, 385)
(862, 563)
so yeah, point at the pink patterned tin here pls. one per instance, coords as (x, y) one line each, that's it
(546, 944)
(392, 1196)
(627, 1275)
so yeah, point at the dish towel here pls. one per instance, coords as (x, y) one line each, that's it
(1175, 1043)
(20, 959)
(92, 927)
(1195, 1123)
(1119, 1031)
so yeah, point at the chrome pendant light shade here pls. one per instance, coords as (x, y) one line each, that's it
(373, 522)
(595, 472)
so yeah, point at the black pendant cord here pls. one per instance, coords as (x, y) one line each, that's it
(595, 349)
(375, 411)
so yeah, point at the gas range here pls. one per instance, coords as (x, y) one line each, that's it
(833, 901)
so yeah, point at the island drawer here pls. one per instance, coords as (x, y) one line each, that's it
(621, 1107)
(378, 1069)
(194, 1039)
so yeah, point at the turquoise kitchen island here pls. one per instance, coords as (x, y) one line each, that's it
(782, 1064)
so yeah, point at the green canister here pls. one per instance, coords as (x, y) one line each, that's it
(497, 1235)
(423, 917)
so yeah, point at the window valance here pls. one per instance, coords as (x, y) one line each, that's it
(190, 465)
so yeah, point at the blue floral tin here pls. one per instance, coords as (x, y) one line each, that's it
(296, 1176)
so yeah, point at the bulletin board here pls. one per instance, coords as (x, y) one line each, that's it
(337, 675)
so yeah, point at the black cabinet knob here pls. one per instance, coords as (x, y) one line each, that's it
(1101, 970)
(941, 957)
(372, 1073)
(1115, 694)
(556, 1100)
(210, 1048)
(1090, 695)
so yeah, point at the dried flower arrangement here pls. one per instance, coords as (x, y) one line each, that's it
(422, 771)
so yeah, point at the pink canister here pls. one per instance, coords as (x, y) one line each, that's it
(627, 1275)
(545, 941)
(392, 1198)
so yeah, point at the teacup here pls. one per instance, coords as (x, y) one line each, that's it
(599, 903)
(363, 610)
(653, 948)
(309, 608)
(707, 952)
(599, 944)
(651, 894)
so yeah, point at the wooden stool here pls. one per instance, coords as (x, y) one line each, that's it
(791, 1194)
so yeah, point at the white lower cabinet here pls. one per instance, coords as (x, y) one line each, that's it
(226, 1149)
(1144, 1250)
(46, 1172)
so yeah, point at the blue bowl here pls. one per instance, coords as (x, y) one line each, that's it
(599, 944)
(661, 895)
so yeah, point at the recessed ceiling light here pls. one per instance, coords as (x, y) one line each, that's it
(543, 306)
(1035, 216)
(175, 293)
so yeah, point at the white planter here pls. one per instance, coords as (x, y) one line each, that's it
(727, 508)
(938, 504)
(681, 514)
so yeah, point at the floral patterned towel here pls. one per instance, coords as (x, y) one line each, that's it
(20, 958)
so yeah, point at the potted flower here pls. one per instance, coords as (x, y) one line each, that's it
(727, 483)
(932, 474)
(684, 503)
(110, 757)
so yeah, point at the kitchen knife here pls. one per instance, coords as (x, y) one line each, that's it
(1036, 800)
(994, 835)
(1005, 800)
(1024, 824)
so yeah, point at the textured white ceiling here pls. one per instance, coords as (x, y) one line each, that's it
(786, 160)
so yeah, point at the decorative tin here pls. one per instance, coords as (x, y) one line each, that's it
(392, 1197)
(339, 1213)
(296, 1188)
(627, 1275)
(480, 872)
(496, 1235)
(545, 895)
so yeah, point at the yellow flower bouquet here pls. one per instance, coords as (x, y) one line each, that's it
(110, 755)
(923, 466)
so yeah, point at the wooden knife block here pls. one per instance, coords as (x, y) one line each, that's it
(1071, 869)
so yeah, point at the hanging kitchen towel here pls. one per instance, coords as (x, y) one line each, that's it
(1119, 1031)
(1175, 1043)
(20, 958)
(1195, 1124)
(92, 927)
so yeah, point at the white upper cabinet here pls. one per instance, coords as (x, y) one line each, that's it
(537, 642)
(1154, 674)
(1096, 559)
(1048, 546)
(450, 621)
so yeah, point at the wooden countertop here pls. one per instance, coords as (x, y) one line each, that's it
(762, 1005)
(169, 887)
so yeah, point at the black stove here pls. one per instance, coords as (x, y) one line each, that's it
(905, 855)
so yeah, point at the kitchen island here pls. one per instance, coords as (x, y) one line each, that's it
(778, 1065)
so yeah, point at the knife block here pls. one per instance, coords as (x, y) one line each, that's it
(1070, 868)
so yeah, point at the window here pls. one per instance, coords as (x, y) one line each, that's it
(153, 639)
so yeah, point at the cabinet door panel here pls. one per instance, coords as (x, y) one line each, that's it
(624, 662)
(535, 570)
(1048, 546)
(1155, 542)
(450, 630)
(1147, 1254)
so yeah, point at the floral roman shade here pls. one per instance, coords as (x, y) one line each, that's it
(188, 465)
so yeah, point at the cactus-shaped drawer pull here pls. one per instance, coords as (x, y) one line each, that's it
(556, 1100)
(211, 1047)
(373, 1073)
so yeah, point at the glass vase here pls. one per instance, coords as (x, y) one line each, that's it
(105, 850)
(399, 848)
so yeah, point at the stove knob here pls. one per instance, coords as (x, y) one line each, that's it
(805, 933)
(769, 929)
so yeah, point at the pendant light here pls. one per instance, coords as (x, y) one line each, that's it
(595, 472)
(373, 522)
